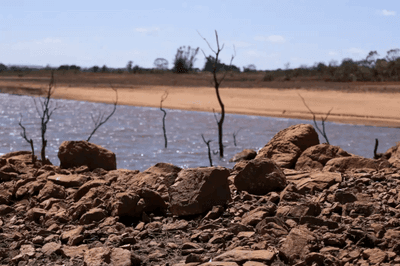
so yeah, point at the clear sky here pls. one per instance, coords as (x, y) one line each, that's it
(267, 33)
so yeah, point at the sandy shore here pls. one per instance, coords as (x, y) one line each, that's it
(375, 109)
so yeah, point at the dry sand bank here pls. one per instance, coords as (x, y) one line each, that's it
(372, 108)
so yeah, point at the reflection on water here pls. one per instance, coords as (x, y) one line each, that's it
(135, 134)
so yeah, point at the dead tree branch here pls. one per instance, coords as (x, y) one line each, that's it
(99, 121)
(30, 141)
(163, 98)
(323, 119)
(217, 84)
(234, 136)
(45, 112)
(209, 149)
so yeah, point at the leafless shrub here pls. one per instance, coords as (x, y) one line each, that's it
(209, 149)
(100, 120)
(323, 119)
(217, 84)
(163, 98)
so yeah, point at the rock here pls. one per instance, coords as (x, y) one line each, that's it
(344, 164)
(245, 155)
(51, 248)
(344, 197)
(66, 235)
(34, 214)
(317, 156)
(197, 190)
(68, 180)
(87, 186)
(93, 215)
(27, 250)
(125, 204)
(256, 215)
(314, 181)
(121, 257)
(259, 176)
(241, 256)
(5, 209)
(375, 255)
(158, 177)
(296, 244)
(97, 256)
(287, 145)
(51, 190)
(78, 251)
(153, 202)
(79, 153)
(393, 155)
(283, 153)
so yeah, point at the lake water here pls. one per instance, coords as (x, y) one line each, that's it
(135, 134)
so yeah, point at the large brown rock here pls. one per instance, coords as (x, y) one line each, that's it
(314, 181)
(317, 156)
(344, 164)
(197, 190)
(259, 176)
(158, 177)
(393, 155)
(245, 155)
(287, 145)
(78, 153)
(297, 244)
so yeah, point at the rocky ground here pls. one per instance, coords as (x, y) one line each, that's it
(298, 202)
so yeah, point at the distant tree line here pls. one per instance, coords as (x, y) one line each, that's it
(372, 68)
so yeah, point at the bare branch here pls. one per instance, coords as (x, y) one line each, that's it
(163, 98)
(323, 132)
(209, 149)
(102, 121)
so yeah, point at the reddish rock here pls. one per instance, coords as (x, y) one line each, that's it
(51, 248)
(296, 245)
(125, 204)
(317, 156)
(78, 251)
(79, 153)
(51, 190)
(314, 181)
(158, 178)
(197, 190)
(97, 256)
(355, 162)
(287, 145)
(153, 202)
(5, 209)
(93, 215)
(393, 155)
(245, 155)
(120, 257)
(259, 176)
(34, 214)
(87, 186)
(241, 256)
(66, 235)
(68, 180)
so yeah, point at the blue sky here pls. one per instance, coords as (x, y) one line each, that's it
(266, 33)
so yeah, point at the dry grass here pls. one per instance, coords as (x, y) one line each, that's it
(233, 80)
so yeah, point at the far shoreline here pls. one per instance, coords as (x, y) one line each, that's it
(355, 107)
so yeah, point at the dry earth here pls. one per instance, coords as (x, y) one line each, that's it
(298, 202)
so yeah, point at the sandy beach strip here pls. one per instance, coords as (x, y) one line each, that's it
(372, 109)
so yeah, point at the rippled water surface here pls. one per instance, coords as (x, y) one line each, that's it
(135, 133)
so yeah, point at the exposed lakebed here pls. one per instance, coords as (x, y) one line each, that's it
(135, 134)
